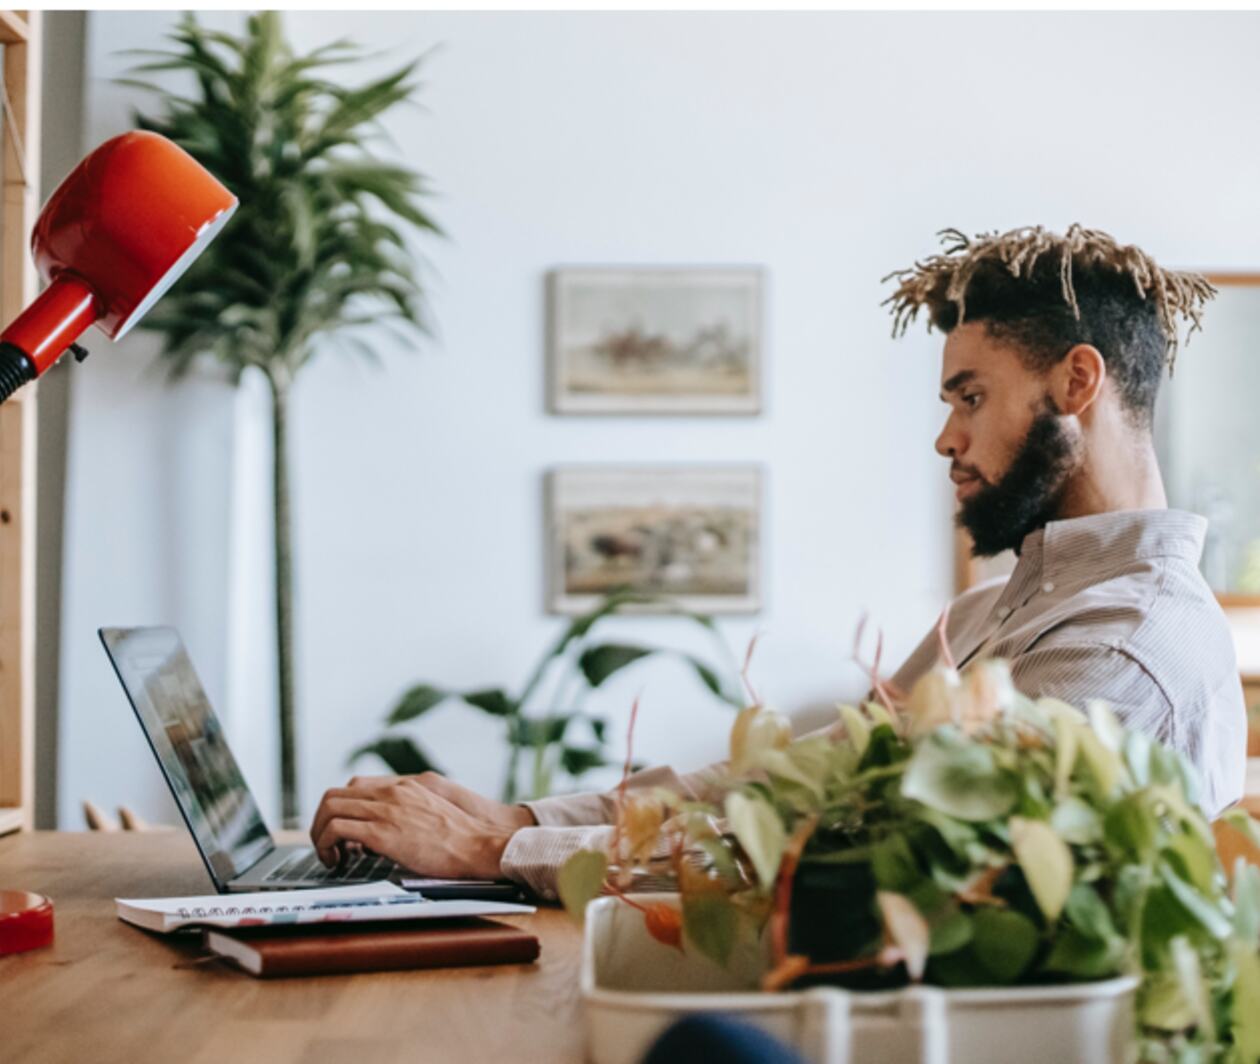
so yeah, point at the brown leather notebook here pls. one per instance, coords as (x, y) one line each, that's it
(324, 949)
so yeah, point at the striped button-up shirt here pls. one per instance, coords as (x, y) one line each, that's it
(1109, 606)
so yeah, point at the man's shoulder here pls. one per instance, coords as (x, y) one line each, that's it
(1164, 617)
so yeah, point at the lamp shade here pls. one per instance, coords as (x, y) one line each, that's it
(114, 236)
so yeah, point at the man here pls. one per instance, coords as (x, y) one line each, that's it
(1054, 351)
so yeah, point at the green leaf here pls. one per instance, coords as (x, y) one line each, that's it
(1164, 1004)
(759, 831)
(1077, 822)
(1087, 913)
(538, 731)
(1129, 828)
(420, 699)
(893, 863)
(402, 756)
(1247, 903)
(959, 777)
(1245, 1008)
(1205, 910)
(1189, 974)
(1004, 941)
(951, 933)
(1080, 956)
(600, 662)
(857, 729)
(580, 879)
(1195, 860)
(960, 838)
(576, 760)
(1104, 763)
(710, 922)
(712, 681)
(1046, 862)
(493, 701)
(806, 762)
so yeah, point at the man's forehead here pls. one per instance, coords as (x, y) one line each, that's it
(969, 349)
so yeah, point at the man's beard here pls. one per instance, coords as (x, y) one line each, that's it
(1029, 494)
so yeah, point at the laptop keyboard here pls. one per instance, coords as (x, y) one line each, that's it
(307, 867)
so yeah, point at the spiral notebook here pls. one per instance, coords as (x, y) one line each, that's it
(354, 904)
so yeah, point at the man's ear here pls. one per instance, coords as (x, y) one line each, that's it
(1078, 379)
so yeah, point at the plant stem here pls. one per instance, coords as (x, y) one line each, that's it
(284, 594)
(514, 757)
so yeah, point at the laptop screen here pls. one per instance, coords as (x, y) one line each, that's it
(189, 744)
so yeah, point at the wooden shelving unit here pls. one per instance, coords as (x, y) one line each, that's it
(19, 149)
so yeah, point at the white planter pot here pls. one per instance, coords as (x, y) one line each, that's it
(633, 987)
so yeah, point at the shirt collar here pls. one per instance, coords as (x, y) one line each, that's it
(1084, 548)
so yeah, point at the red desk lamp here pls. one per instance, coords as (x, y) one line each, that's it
(117, 233)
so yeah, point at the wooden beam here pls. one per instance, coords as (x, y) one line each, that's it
(14, 29)
(17, 603)
(19, 133)
(18, 279)
(1227, 279)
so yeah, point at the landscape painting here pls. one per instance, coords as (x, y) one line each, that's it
(656, 341)
(692, 534)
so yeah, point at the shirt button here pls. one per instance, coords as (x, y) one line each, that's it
(1048, 586)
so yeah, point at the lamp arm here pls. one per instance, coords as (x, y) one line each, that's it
(44, 331)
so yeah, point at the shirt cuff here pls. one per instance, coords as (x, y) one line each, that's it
(534, 856)
(571, 810)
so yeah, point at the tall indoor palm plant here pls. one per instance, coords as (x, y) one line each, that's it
(316, 248)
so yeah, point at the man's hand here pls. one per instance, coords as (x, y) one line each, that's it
(426, 823)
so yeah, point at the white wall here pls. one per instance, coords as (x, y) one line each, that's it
(828, 147)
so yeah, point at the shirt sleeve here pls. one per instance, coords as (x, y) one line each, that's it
(572, 822)
(534, 856)
(572, 810)
(1080, 673)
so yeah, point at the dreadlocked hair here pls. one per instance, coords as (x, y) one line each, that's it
(1045, 293)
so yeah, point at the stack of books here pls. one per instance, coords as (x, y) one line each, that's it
(370, 927)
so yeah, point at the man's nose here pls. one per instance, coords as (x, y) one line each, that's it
(950, 443)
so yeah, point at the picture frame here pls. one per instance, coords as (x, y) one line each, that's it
(691, 534)
(655, 340)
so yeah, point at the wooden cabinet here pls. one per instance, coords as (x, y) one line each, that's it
(19, 137)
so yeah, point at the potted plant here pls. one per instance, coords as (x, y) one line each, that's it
(317, 249)
(964, 837)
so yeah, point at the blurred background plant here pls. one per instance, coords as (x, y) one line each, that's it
(554, 738)
(317, 248)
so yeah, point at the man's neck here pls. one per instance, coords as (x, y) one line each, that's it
(1118, 474)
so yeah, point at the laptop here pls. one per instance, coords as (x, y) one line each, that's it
(188, 742)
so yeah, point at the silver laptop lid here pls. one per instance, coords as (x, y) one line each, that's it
(189, 744)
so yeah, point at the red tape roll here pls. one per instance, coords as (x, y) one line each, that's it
(26, 921)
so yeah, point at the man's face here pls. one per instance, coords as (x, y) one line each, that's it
(1010, 452)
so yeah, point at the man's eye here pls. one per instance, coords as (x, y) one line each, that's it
(972, 401)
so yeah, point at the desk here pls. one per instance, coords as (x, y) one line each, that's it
(107, 992)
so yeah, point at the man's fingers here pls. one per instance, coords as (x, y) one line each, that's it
(357, 791)
(344, 829)
(335, 805)
(371, 782)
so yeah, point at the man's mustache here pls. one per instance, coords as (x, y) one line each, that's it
(958, 472)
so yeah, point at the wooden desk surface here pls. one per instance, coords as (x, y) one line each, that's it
(107, 992)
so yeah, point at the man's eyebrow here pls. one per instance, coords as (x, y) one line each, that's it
(956, 381)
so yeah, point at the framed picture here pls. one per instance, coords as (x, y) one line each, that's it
(692, 534)
(655, 341)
